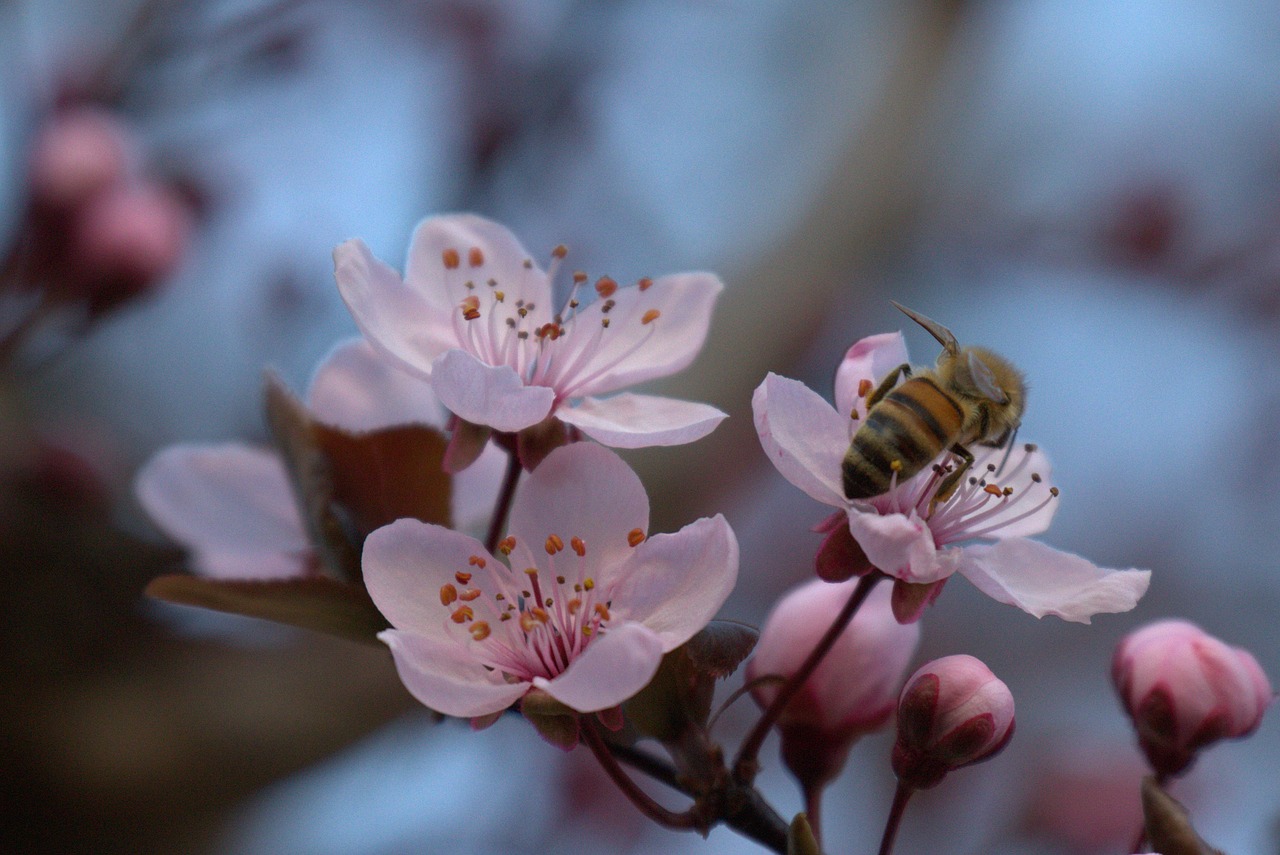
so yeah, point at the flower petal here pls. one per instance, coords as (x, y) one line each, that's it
(501, 255)
(675, 583)
(683, 303)
(639, 421)
(871, 358)
(441, 676)
(1034, 508)
(1044, 581)
(582, 490)
(614, 667)
(803, 436)
(476, 488)
(407, 562)
(402, 324)
(488, 395)
(901, 546)
(357, 389)
(230, 504)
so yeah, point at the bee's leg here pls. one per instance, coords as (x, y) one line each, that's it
(887, 384)
(952, 480)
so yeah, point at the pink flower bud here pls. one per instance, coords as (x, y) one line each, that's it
(854, 688)
(77, 154)
(952, 713)
(1185, 689)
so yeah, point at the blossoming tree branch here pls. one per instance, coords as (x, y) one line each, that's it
(446, 488)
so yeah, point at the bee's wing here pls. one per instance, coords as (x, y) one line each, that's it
(944, 336)
(984, 381)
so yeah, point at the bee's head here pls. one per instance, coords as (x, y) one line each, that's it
(990, 381)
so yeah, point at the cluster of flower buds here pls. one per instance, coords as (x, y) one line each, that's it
(97, 231)
(1184, 690)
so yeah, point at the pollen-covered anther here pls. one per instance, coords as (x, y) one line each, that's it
(462, 578)
(1035, 476)
(469, 595)
(635, 537)
(554, 544)
(560, 251)
(606, 287)
(604, 322)
(1053, 491)
(475, 257)
(448, 594)
(864, 387)
(540, 614)
(645, 283)
(1008, 491)
(579, 546)
(650, 316)
(451, 258)
(479, 630)
(993, 490)
(602, 610)
(896, 465)
(588, 584)
(476, 561)
(573, 605)
(507, 544)
(579, 276)
(500, 295)
(527, 623)
(462, 615)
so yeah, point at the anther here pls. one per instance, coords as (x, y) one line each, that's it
(602, 610)
(650, 316)
(469, 285)
(635, 537)
(574, 605)
(526, 622)
(505, 616)
(1053, 491)
(1008, 491)
(479, 630)
(500, 296)
(588, 583)
(448, 594)
(476, 561)
(522, 312)
(896, 465)
(993, 490)
(469, 595)
(492, 283)
(475, 257)
(608, 306)
(499, 596)
(644, 284)
(540, 614)
(604, 323)
(579, 277)
(991, 467)
(864, 387)
(578, 547)
(560, 251)
(605, 286)
(523, 335)
(507, 544)
(463, 578)
(528, 264)
(450, 258)
(1030, 446)
(1035, 476)
(462, 615)
(554, 544)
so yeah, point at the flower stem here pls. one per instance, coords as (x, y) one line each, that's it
(745, 766)
(899, 807)
(813, 809)
(642, 800)
(503, 505)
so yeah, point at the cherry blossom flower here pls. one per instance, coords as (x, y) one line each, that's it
(232, 505)
(583, 607)
(473, 314)
(1185, 689)
(911, 534)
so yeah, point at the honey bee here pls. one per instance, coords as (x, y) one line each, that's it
(971, 396)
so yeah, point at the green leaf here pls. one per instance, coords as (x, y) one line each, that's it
(1169, 828)
(555, 722)
(312, 602)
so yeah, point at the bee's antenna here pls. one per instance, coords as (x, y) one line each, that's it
(1008, 449)
(944, 336)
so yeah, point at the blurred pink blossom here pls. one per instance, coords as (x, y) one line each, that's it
(908, 535)
(76, 154)
(952, 713)
(473, 314)
(1185, 689)
(585, 610)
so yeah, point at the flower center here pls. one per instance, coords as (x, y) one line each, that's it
(536, 622)
(497, 324)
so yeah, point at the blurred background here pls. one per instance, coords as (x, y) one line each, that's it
(1092, 188)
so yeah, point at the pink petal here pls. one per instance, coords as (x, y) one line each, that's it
(901, 546)
(488, 395)
(406, 563)
(231, 504)
(402, 324)
(639, 421)
(675, 583)
(614, 667)
(871, 358)
(803, 437)
(357, 389)
(445, 679)
(1044, 581)
(1021, 518)
(582, 490)
(684, 303)
(475, 489)
(502, 255)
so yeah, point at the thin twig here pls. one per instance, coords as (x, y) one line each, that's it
(663, 816)
(503, 505)
(899, 807)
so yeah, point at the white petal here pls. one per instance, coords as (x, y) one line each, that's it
(401, 323)
(501, 253)
(358, 389)
(871, 359)
(488, 395)
(582, 490)
(230, 504)
(613, 668)
(901, 546)
(1044, 581)
(803, 437)
(475, 489)
(445, 679)
(639, 421)
(675, 583)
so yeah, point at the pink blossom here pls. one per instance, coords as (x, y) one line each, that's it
(77, 154)
(232, 505)
(1185, 689)
(474, 315)
(583, 607)
(854, 688)
(906, 532)
(952, 713)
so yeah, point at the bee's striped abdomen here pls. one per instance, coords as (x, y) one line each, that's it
(911, 425)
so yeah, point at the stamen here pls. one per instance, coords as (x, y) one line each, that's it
(645, 283)
(602, 610)
(469, 595)
(1035, 476)
(588, 583)
(475, 257)
(470, 307)
(635, 537)
(1053, 491)
(539, 614)
(574, 605)
(450, 258)
(448, 594)
(606, 287)
(554, 544)
(864, 387)
(993, 490)
(463, 578)
(479, 630)
(650, 316)
(578, 546)
(527, 622)
(507, 544)
(579, 277)
(560, 251)
(462, 615)
(476, 561)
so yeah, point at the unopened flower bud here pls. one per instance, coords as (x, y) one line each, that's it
(855, 686)
(953, 712)
(75, 155)
(1185, 689)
